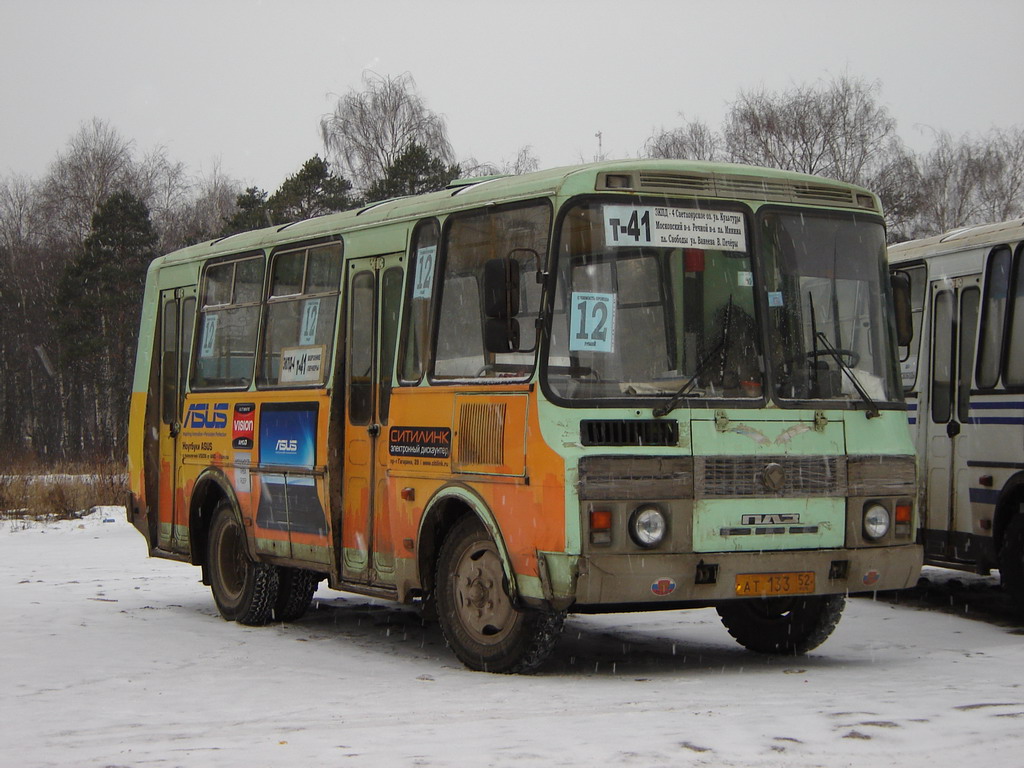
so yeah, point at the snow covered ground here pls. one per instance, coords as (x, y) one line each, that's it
(112, 659)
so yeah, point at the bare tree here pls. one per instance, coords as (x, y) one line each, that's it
(371, 128)
(693, 141)
(839, 130)
(18, 216)
(1001, 190)
(525, 162)
(952, 174)
(97, 163)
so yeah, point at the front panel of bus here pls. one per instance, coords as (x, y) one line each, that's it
(722, 385)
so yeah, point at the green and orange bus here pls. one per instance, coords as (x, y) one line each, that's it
(622, 386)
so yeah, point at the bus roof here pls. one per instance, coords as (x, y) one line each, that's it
(699, 179)
(960, 239)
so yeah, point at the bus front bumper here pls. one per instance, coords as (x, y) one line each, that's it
(644, 581)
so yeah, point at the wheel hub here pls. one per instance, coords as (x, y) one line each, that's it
(484, 608)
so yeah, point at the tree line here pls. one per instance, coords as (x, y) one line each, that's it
(75, 244)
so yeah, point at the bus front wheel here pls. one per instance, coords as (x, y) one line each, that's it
(782, 625)
(481, 624)
(244, 590)
(1011, 560)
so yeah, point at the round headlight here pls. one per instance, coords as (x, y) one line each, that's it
(876, 521)
(647, 526)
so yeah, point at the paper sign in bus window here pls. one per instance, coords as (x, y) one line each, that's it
(592, 322)
(303, 365)
(310, 314)
(206, 348)
(424, 285)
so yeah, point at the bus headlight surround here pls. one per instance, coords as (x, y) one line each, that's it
(647, 526)
(876, 520)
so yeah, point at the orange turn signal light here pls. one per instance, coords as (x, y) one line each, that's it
(903, 513)
(600, 520)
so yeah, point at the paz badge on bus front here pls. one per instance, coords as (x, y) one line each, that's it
(774, 477)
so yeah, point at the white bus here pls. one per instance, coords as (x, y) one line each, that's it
(963, 374)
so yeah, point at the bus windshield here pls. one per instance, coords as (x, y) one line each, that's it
(827, 289)
(659, 300)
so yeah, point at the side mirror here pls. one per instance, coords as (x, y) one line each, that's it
(501, 305)
(901, 304)
(501, 288)
(501, 336)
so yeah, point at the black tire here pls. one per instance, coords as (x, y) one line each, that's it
(782, 625)
(481, 624)
(1011, 560)
(244, 590)
(295, 590)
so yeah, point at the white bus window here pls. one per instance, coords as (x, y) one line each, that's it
(942, 358)
(910, 354)
(997, 287)
(1013, 376)
(969, 301)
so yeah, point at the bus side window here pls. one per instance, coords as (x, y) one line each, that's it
(997, 287)
(228, 324)
(1013, 375)
(909, 352)
(301, 316)
(942, 358)
(170, 363)
(391, 301)
(517, 232)
(969, 301)
(416, 333)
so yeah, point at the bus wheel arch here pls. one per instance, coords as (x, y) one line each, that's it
(1009, 505)
(444, 511)
(211, 488)
(1008, 538)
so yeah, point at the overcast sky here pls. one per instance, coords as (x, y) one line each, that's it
(244, 84)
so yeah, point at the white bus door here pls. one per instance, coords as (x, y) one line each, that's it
(955, 305)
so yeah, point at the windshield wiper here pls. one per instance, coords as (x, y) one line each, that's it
(702, 366)
(873, 411)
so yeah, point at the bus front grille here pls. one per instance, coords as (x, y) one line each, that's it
(634, 432)
(769, 476)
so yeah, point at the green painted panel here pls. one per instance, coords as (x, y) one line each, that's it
(747, 435)
(311, 553)
(773, 524)
(273, 547)
(885, 435)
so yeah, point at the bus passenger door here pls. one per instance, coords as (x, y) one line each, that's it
(374, 294)
(177, 316)
(955, 307)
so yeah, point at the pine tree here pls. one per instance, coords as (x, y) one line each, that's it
(414, 172)
(97, 306)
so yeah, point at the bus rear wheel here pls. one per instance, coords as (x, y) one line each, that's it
(244, 590)
(481, 624)
(295, 590)
(782, 625)
(1011, 560)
